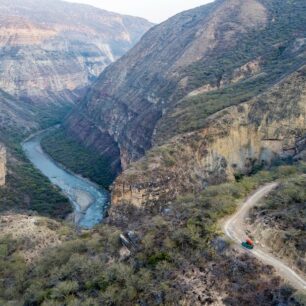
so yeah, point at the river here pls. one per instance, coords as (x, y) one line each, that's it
(90, 201)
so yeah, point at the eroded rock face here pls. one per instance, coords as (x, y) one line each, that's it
(2, 165)
(132, 95)
(270, 126)
(197, 96)
(51, 51)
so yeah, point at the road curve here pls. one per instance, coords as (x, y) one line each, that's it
(234, 228)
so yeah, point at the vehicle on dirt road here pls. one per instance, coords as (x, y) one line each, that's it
(248, 244)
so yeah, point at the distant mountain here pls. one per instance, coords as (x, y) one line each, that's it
(52, 50)
(187, 69)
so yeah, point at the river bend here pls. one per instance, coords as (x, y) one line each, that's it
(90, 201)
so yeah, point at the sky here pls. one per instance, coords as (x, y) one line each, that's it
(153, 10)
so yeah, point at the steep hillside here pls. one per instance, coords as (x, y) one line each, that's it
(178, 79)
(14, 116)
(231, 143)
(186, 69)
(61, 47)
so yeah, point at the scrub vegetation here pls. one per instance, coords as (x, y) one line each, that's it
(73, 155)
(277, 49)
(178, 250)
(26, 188)
(284, 211)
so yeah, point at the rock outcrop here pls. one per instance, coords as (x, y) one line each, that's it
(2, 165)
(51, 51)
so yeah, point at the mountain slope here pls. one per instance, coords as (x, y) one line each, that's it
(61, 47)
(231, 143)
(186, 69)
(14, 116)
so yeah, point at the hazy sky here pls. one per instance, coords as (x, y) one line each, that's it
(153, 10)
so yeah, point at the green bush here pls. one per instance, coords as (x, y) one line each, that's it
(64, 289)
(154, 259)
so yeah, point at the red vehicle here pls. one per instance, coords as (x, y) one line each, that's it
(248, 244)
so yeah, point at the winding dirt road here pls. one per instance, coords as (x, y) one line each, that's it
(234, 228)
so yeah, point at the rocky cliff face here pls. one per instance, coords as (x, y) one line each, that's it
(2, 165)
(232, 142)
(133, 94)
(144, 98)
(208, 94)
(52, 50)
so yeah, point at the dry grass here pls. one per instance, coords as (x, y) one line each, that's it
(34, 233)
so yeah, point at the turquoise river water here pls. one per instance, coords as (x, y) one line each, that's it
(89, 200)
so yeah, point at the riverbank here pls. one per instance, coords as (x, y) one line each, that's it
(65, 150)
(26, 189)
(83, 199)
(89, 200)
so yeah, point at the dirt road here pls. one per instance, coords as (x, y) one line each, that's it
(234, 228)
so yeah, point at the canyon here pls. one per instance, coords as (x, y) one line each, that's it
(130, 97)
(61, 47)
(51, 52)
(190, 120)
(221, 83)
